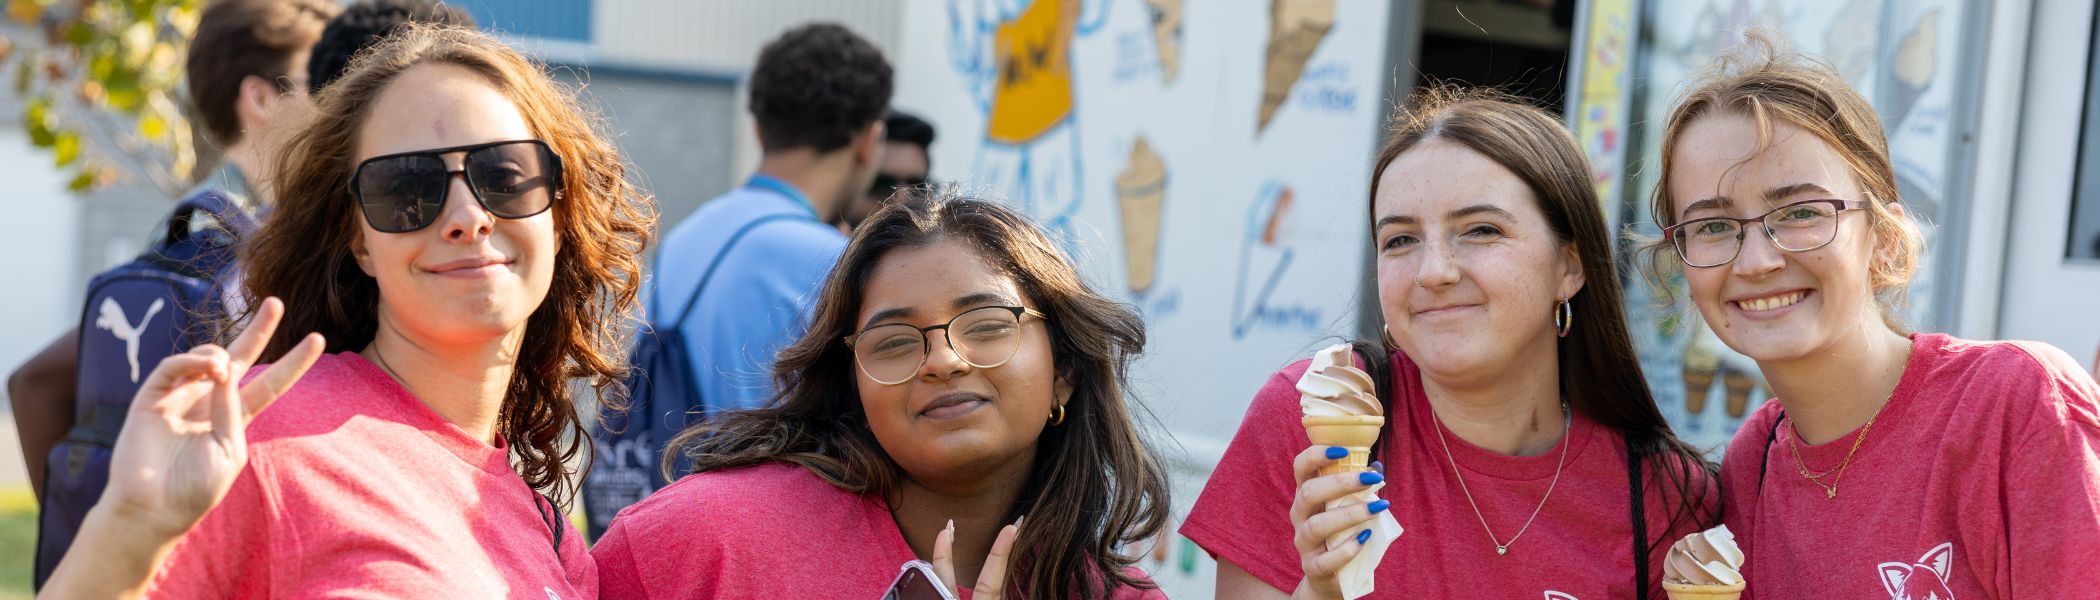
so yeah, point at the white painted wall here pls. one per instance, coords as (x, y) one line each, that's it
(40, 269)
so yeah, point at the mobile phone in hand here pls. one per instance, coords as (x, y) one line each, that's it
(916, 581)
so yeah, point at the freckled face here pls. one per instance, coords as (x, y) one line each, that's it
(1772, 304)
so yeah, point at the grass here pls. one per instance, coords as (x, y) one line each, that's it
(17, 543)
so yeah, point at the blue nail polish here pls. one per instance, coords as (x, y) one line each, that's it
(1379, 505)
(1337, 452)
(1363, 537)
(1378, 466)
(1369, 478)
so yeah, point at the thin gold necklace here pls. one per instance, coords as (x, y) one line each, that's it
(1836, 474)
(1501, 547)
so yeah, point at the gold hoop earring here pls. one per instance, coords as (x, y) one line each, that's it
(1387, 332)
(1564, 316)
(1057, 415)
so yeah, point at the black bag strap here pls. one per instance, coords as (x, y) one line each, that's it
(552, 517)
(1765, 461)
(230, 217)
(656, 291)
(1640, 522)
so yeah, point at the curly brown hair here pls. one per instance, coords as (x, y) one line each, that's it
(302, 254)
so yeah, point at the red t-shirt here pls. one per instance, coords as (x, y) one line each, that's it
(1581, 546)
(766, 531)
(1979, 479)
(356, 489)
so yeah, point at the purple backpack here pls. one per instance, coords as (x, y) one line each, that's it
(162, 303)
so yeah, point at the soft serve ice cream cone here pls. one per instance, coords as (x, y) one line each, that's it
(1340, 406)
(1704, 566)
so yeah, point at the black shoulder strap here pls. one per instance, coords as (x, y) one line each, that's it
(1764, 462)
(694, 298)
(1640, 522)
(552, 517)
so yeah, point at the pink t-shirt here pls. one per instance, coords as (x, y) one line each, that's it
(1979, 479)
(1580, 547)
(355, 489)
(766, 531)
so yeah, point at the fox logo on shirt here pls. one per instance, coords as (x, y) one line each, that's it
(1909, 581)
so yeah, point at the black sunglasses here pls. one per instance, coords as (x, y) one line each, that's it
(886, 184)
(405, 192)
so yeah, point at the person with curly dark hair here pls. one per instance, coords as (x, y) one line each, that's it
(363, 23)
(818, 94)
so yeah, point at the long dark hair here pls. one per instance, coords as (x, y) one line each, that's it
(1600, 374)
(1095, 485)
(302, 254)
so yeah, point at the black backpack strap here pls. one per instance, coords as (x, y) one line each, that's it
(694, 298)
(231, 218)
(1765, 461)
(1640, 522)
(553, 519)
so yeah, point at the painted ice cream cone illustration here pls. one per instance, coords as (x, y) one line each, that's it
(1340, 406)
(1142, 191)
(1295, 30)
(1704, 566)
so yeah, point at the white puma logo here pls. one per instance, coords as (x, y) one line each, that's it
(113, 320)
(1553, 595)
(1904, 582)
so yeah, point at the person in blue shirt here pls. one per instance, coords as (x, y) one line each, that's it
(818, 94)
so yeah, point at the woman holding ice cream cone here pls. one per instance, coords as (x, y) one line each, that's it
(958, 399)
(1521, 452)
(1889, 463)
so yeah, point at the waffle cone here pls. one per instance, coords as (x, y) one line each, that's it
(1353, 432)
(1687, 591)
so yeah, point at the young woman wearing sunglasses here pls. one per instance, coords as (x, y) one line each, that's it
(468, 247)
(957, 376)
(1521, 451)
(1915, 465)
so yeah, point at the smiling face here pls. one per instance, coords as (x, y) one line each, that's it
(1469, 272)
(470, 277)
(1771, 304)
(951, 419)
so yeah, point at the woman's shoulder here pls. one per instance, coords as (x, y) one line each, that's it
(759, 491)
(2008, 359)
(2020, 377)
(1136, 593)
(335, 389)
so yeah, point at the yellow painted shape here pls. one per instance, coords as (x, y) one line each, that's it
(1034, 87)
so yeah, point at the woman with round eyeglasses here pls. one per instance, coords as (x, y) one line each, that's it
(1889, 463)
(467, 247)
(958, 399)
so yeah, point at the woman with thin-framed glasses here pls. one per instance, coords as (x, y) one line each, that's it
(958, 399)
(1889, 463)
